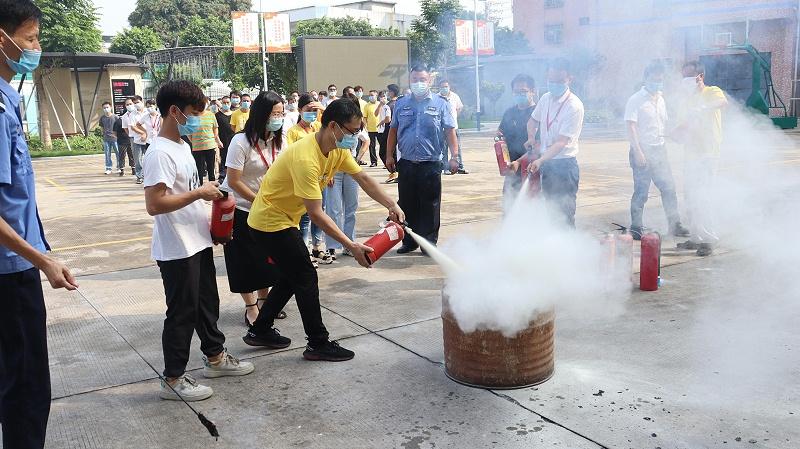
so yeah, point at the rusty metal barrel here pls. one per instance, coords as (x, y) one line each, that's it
(488, 359)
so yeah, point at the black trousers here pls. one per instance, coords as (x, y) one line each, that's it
(205, 160)
(296, 276)
(223, 154)
(373, 143)
(190, 286)
(125, 149)
(560, 179)
(382, 141)
(24, 368)
(419, 187)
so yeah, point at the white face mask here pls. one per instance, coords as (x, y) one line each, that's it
(139, 106)
(107, 109)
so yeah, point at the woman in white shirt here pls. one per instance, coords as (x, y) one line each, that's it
(250, 154)
(384, 113)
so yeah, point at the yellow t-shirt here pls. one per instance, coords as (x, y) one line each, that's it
(362, 104)
(372, 119)
(238, 119)
(297, 132)
(300, 172)
(706, 124)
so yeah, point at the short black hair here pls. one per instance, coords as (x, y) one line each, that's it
(373, 90)
(655, 68)
(17, 12)
(304, 100)
(523, 78)
(150, 101)
(180, 93)
(346, 88)
(444, 80)
(358, 88)
(394, 88)
(256, 126)
(134, 98)
(560, 65)
(244, 95)
(341, 111)
(332, 85)
(106, 103)
(698, 67)
(419, 68)
(222, 98)
(235, 92)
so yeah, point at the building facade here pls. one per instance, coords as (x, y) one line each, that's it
(613, 40)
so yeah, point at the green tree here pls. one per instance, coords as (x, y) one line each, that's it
(135, 41)
(69, 26)
(432, 36)
(510, 42)
(210, 31)
(492, 92)
(169, 17)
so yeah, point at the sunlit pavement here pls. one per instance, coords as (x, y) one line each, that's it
(646, 379)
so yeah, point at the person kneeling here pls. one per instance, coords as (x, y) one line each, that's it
(292, 187)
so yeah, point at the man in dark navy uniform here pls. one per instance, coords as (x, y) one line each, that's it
(24, 370)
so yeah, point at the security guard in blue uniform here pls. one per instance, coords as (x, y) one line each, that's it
(24, 368)
(416, 131)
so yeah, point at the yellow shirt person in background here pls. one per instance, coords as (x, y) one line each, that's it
(371, 111)
(240, 115)
(292, 186)
(308, 122)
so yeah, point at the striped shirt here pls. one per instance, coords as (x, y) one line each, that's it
(204, 138)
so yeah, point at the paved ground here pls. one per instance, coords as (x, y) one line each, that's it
(651, 378)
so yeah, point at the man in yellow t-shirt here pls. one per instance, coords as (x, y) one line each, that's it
(292, 186)
(240, 115)
(701, 133)
(371, 110)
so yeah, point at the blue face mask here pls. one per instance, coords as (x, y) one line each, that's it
(654, 87)
(191, 126)
(521, 99)
(235, 100)
(214, 108)
(557, 89)
(444, 91)
(372, 98)
(309, 117)
(245, 105)
(348, 141)
(28, 60)
(226, 107)
(275, 124)
(419, 89)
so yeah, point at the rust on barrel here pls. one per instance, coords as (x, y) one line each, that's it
(489, 359)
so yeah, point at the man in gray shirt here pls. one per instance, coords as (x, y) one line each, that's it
(107, 121)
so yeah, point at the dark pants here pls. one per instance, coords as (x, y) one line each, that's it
(296, 276)
(190, 286)
(382, 141)
(125, 149)
(223, 154)
(560, 186)
(419, 187)
(659, 172)
(205, 160)
(24, 368)
(373, 143)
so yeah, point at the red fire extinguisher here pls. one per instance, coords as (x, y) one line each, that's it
(502, 155)
(390, 235)
(650, 264)
(534, 179)
(222, 218)
(624, 249)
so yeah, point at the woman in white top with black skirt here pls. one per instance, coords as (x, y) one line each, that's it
(250, 154)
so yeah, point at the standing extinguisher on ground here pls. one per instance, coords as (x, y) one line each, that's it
(650, 264)
(222, 210)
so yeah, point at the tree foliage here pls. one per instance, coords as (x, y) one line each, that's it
(169, 17)
(346, 26)
(135, 41)
(432, 36)
(510, 42)
(69, 26)
(208, 31)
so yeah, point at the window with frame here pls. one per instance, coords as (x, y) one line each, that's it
(551, 4)
(553, 34)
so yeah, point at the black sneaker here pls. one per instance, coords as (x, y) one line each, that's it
(636, 232)
(688, 245)
(406, 249)
(328, 352)
(678, 230)
(270, 339)
(705, 249)
(462, 171)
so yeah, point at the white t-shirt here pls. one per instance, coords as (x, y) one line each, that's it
(244, 157)
(184, 232)
(291, 119)
(649, 115)
(151, 124)
(133, 118)
(560, 117)
(455, 106)
(385, 112)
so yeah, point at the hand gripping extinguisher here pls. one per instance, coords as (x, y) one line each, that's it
(390, 235)
(650, 264)
(502, 155)
(534, 179)
(222, 218)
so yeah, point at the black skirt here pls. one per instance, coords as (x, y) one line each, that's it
(247, 270)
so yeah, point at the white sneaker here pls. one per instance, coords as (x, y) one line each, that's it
(108, 172)
(230, 366)
(188, 388)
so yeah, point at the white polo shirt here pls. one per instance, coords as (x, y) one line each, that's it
(649, 112)
(560, 117)
(455, 106)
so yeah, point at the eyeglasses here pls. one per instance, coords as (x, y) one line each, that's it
(350, 130)
(277, 115)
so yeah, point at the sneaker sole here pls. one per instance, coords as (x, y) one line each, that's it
(318, 358)
(170, 396)
(251, 342)
(209, 374)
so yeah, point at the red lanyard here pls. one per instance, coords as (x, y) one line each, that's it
(550, 122)
(153, 123)
(258, 149)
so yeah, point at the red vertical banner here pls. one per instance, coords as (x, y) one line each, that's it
(277, 33)
(245, 32)
(464, 40)
(485, 38)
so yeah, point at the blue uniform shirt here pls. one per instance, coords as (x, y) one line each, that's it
(419, 125)
(17, 194)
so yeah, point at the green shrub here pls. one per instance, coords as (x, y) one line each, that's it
(79, 144)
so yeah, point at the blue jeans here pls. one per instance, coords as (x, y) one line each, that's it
(138, 153)
(108, 148)
(311, 231)
(560, 178)
(446, 157)
(341, 206)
